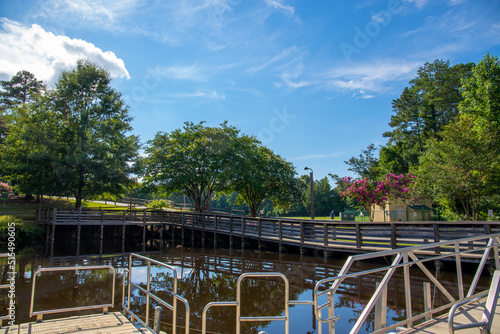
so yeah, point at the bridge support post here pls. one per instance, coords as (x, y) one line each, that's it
(427, 300)
(123, 238)
(101, 239)
(303, 251)
(381, 309)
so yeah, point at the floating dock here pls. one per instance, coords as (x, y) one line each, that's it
(111, 323)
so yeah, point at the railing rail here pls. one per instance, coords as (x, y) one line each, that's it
(147, 291)
(318, 234)
(238, 304)
(403, 259)
(11, 265)
(105, 306)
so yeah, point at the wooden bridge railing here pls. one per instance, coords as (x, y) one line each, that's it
(321, 234)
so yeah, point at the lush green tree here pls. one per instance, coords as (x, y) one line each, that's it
(391, 159)
(201, 161)
(463, 169)
(481, 92)
(73, 140)
(22, 88)
(258, 173)
(29, 156)
(195, 160)
(366, 164)
(97, 149)
(423, 109)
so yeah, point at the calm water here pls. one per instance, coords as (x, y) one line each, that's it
(207, 275)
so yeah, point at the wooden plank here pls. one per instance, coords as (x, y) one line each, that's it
(468, 313)
(111, 323)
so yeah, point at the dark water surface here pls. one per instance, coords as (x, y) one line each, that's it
(207, 275)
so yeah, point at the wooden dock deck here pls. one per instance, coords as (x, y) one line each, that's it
(468, 313)
(111, 323)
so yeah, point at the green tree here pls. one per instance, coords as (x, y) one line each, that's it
(366, 164)
(463, 169)
(423, 109)
(96, 149)
(258, 173)
(481, 92)
(22, 88)
(391, 159)
(29, 156)
(195, 160)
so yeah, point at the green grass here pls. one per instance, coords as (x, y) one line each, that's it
(318, 218)
(358, 219)
(20, 205)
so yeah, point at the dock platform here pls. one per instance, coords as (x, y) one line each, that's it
(111, 323)
(468, 313)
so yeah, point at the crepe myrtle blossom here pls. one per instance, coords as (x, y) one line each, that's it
(4, 187)
(368, 192)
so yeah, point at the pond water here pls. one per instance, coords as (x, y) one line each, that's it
(206, 275)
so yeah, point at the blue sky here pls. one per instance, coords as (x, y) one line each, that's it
(313, 80)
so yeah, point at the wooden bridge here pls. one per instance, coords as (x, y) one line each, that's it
(324, 236)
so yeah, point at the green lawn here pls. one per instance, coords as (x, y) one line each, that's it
(20, 205)
(358, 219)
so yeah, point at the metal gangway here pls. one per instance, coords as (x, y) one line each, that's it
(485, 249)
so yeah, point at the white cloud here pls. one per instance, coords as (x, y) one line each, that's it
(283, 55)
(289, 10)
(361, 94)
(374, 77)
(46, 54)
(210, 95)
(192, 72)
(418, 3)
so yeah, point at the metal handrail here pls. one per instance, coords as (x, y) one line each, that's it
(237, 303)
(8, 286)
(147, 291)
(105, 307)
(405, 258)
(489, 308)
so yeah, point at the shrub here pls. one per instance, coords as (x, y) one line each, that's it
(25, 233)
(158, 204)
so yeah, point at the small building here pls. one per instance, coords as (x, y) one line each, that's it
(399, 211)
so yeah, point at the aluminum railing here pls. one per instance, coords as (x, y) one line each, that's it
(11, 265)
(405, 258)
(149, 295)
(237, 303)
(105, 306)
(489, 308)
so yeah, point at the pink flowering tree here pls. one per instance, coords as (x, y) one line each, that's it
(368, 192)
(5, 188)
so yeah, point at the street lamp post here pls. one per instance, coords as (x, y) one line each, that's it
(312, 190)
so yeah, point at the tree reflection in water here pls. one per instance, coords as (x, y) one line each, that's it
(262, 297)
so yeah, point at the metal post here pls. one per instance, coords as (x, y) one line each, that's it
(311, 185)
(427, 300)
(381, 309)
(157, 320)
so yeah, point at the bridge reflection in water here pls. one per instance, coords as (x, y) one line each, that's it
(210, 274)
